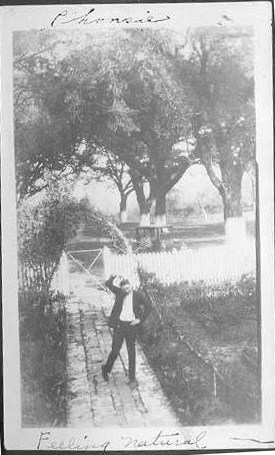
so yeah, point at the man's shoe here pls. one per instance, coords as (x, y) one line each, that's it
(105, 373)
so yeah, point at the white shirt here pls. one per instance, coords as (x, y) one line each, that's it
(127, 313)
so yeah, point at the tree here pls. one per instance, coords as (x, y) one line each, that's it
(120, 93)
(224, 124)
(108, 165)
(157, 103)
(49, 111)
(134, 93)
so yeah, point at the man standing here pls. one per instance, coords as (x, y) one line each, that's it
(130, 310)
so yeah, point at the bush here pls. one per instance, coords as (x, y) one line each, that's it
(45, 224)
(196, 329)
(43, 359)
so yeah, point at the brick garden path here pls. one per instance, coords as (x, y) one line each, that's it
(92, 401)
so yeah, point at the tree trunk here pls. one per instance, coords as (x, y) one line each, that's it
(231, 198)
(144, 213)
(160, 209)
(232, 208)
(230, 187)
(123, 208)
(230, 190)
(144, 202)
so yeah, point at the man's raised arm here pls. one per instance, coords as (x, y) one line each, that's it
(110, 284)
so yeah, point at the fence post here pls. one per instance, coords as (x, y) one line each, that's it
(64, 274)
(61, 281)
(106, 255)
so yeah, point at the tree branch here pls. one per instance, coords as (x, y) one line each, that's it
(129, 191)
(172, 182)
(129, 184)
(208, 164)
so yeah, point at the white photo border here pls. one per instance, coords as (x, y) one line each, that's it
(258, 14)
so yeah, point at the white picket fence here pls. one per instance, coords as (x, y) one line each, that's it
(212, 264)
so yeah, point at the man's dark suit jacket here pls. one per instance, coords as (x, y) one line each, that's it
(141, 305)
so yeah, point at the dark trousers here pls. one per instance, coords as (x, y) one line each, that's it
(123, 331)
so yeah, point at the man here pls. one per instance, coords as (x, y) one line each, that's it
(130, 310)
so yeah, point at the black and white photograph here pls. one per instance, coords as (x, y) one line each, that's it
(138, 226)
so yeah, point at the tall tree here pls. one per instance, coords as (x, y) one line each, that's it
(119, 91)
(157, 102)
(49, 110)
(224, 125)
(107, 165)
(134, 93)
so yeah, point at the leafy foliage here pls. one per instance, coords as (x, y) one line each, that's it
(47, 221)
(156, 105)
(43, 359)
(160, 109)
(45, 224)
(49, 110)
(221, 74)
(106, 94)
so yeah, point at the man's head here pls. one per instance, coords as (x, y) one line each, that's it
(125, 286)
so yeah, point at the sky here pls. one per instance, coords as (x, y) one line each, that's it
(189, 189)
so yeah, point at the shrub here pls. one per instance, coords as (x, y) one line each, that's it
(45, 223)
(43, 359)
(195, 329)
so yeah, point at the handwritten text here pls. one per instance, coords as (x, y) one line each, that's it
(89, 18)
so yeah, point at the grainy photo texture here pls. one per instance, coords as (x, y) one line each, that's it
(135, 157)
(138, 243)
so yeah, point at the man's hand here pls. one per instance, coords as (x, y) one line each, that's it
(135, 322)
(116, 281)
(112, 285)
